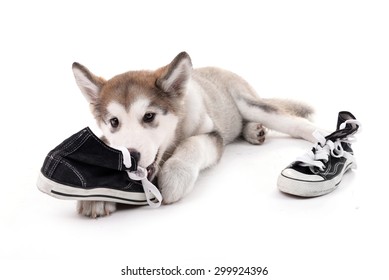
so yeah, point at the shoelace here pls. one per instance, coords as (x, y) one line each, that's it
(320, 153)
(140, 174)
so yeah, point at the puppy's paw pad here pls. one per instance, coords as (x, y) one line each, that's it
(254, 133)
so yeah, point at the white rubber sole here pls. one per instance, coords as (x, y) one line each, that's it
(60, 191)
(309, 188)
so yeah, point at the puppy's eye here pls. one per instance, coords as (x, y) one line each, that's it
(114, 122)
(148, 117)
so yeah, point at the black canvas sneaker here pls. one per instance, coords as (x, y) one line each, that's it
(320, 171)
(84, 168)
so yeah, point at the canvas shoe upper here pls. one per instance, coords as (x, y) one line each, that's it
(84, 168)
(321, 170)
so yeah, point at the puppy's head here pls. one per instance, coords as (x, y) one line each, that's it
(138, 109)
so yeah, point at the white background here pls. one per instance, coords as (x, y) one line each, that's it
(333, 55)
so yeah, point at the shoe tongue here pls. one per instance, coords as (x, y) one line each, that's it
(347, 130)
(342, 117)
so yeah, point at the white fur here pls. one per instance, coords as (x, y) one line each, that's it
(180, 172)
(95, 209)
(197, 120)
(133, 135)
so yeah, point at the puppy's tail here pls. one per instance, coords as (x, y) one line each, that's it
(290, 107)
(282, 115)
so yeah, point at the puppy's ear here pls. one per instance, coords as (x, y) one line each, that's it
(89, 84)
(176, 75)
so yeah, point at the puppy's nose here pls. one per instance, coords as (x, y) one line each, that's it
(135, 155)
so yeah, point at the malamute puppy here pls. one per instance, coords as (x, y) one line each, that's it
(177, 120)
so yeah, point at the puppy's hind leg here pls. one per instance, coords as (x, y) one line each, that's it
(254, 133)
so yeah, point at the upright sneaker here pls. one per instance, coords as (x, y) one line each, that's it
(321, 170)
(84, 168)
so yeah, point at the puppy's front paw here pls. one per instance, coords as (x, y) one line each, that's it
(95, 209)
(176, 179)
